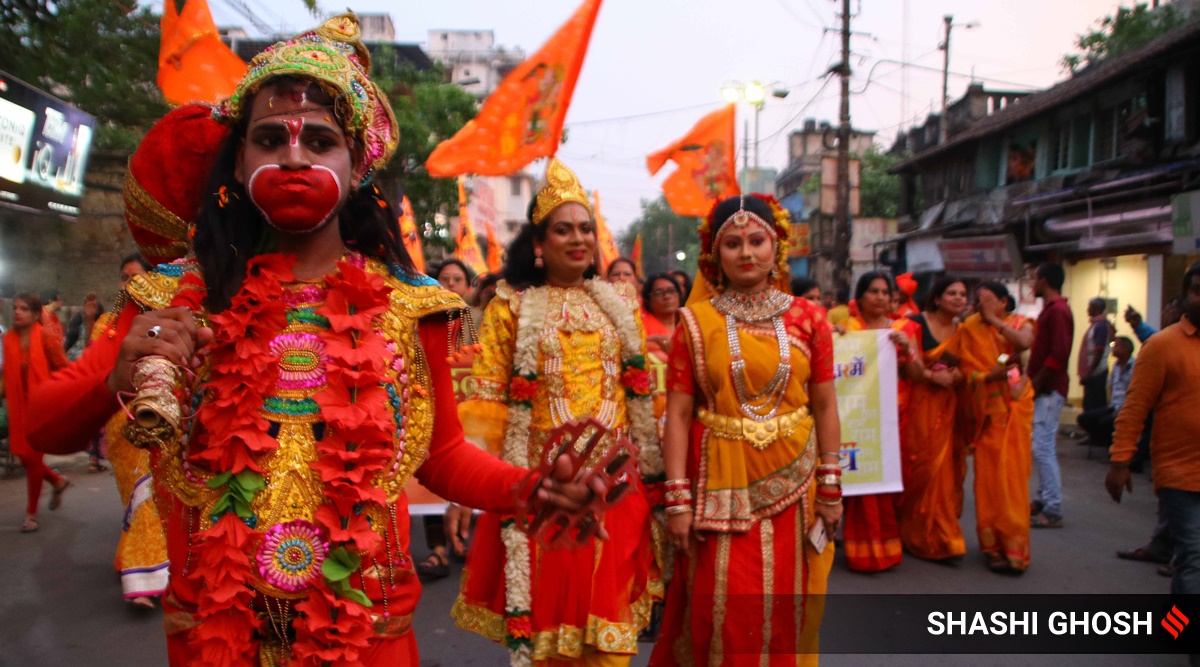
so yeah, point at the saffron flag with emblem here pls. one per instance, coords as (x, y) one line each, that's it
(410, 236)
(636, 255)
(707, 170)
(495, 252)
(466, 244)
(194, 65)
(523, 119)
(608, 245)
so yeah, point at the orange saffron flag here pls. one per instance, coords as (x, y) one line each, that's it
(604, 237)
(636, 255)
(523, 119)
(707, 170)
(410, 236)
(466, 245)
(495, 252)
(194, 65)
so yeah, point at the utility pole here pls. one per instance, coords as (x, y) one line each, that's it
(945, 46)
(841, 235)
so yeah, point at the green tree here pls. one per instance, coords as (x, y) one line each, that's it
(1117, 33)
(96, 54)
(879, 191)
(428, 111)
(663, 234)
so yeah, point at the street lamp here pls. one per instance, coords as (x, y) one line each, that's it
(755, 94)
(681, 255)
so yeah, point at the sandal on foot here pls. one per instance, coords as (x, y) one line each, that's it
(30, 525)
(56, 497)
(996, 562)
(1043, 521)
(436, 566)
(1144, 555)
(1036, 507)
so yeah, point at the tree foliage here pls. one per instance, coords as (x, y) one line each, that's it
(879, 191)
(1117, 33)
(99, 55)
(428, 111)
(663, 234)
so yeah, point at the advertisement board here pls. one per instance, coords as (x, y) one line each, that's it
(44, 146)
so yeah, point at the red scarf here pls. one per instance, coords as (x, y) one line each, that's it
(16, 390)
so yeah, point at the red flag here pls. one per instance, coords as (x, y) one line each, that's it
(194, 65)
(466, 246)
(636, 255)
(604, 237)
(410, 236)
(523, 119)
(495, 252)
(707, 169)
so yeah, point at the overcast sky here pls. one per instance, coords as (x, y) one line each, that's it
(656, 66)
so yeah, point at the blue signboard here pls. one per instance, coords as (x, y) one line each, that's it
(44, 145)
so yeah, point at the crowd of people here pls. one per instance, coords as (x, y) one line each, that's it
(269, 514)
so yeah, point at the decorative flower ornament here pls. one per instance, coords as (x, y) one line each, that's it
(291, 555)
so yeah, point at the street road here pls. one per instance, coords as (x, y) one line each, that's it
(60, 601)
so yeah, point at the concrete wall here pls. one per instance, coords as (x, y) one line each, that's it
(1128, 283)
(39, 252)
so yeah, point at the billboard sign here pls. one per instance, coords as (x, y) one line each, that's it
(44, 146)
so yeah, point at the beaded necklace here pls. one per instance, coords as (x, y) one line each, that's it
(770, 304)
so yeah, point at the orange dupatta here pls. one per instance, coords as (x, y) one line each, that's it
(15, 389)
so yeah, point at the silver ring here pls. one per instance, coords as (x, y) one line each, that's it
(153, 331)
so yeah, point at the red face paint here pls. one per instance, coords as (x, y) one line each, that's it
(295, 200)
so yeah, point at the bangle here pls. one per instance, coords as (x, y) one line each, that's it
(834, 503)
(681, 483)
(829, 480)
(833, 494)
(829, 469)
(678, 509)
(837, 454)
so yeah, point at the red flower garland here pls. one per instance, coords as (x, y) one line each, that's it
(356, 448)
(232, 433)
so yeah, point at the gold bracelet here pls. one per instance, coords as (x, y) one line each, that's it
(678, 509)
(822, 501)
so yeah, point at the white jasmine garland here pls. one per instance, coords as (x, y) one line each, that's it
(531, 318)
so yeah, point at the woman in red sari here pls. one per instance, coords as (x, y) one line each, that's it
(31, 353)
(999, 425)
(871, 537)
(932, 466)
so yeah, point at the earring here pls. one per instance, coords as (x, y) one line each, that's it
(537, 258)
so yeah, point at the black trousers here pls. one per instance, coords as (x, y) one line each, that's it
(1095, 392)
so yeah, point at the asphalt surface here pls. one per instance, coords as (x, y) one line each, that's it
(60, 601)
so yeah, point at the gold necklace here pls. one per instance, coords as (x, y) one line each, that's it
(756, 307)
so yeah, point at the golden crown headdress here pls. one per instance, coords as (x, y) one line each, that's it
(561, 187)
(333, 55)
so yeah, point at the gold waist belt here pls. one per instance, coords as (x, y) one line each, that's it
(759, 434)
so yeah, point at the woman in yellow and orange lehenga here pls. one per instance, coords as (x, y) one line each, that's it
(751, 454)
(932, 465)
(560, 345)
(999, 425)
(871, 537)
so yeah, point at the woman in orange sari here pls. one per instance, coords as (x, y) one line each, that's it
(999, 425)
(751, 454)
(662, 297)
(932, 467)
(871, 536)
(31, 354)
